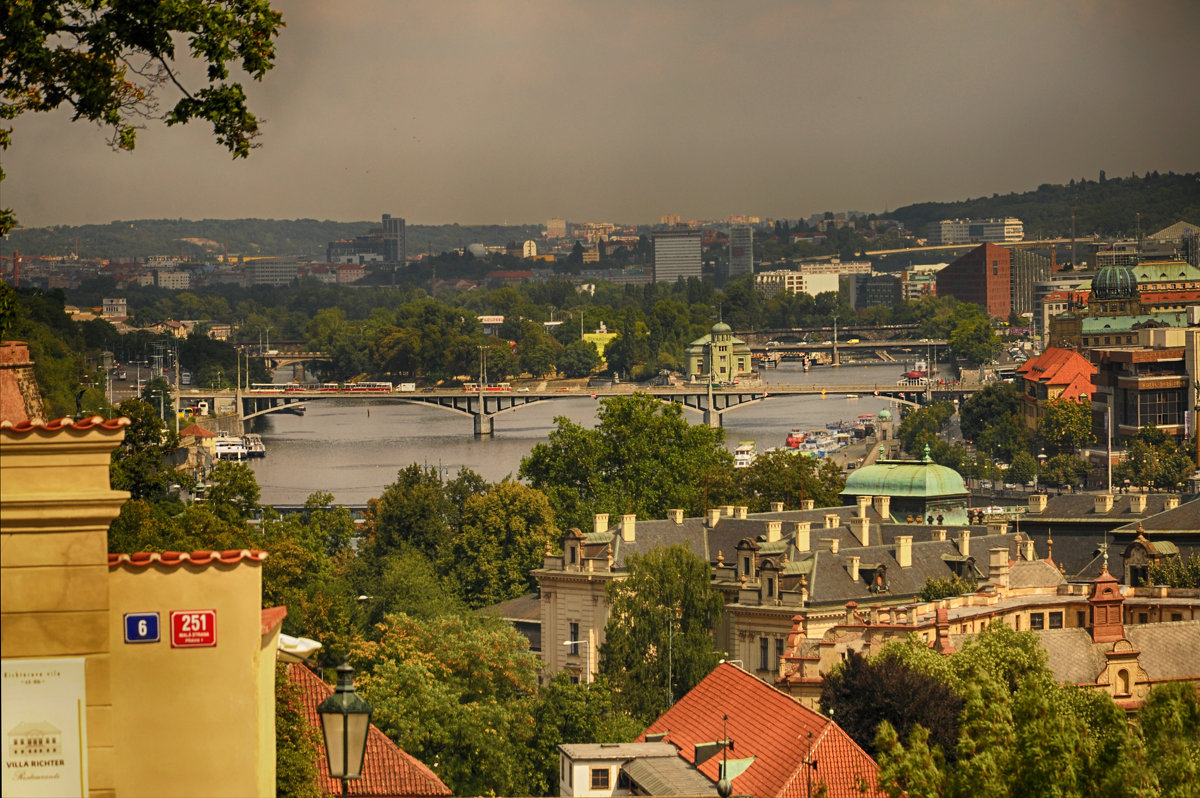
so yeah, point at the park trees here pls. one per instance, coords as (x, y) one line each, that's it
(642, 457)
(974, 340)
(108, 60)
(578, 359)
(1154, 460)
(1065, 426)
(992, 419)
(782, 477)
(659, 638)
(138, 464)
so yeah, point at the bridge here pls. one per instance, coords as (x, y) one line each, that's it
(483, 408)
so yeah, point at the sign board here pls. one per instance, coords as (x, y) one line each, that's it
(141, 627)
(193, 628)
(45, 728)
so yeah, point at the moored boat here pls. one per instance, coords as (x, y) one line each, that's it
(796, 438)
(744, 454)
(254, 445)
(229, 447)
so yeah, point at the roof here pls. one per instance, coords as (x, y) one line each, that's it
(143, 559)
(1166, 651)
(1063, 368)
(65, 423)
(387, 770)
(897, 478)
(272, 617)
(668, 776)
(1184, 518)
(196, 431)
(1035, 573)
(773, 728)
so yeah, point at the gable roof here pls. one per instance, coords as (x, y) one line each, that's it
(764, 723)
(1060, 367)
(387, 770)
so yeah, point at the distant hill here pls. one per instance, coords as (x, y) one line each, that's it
(1108, 206)
(304, 238)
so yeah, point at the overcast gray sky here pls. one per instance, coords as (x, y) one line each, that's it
(485, 112)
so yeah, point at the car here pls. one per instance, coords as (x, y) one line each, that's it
(986, 484)
(522, 390)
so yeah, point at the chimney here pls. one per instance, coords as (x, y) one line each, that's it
(1030, 554)
(852, 566)
(904, 550)
(863, 503)
(803, 535)
(1104, 503)
(832, 543)
(851, 606)
(1037, 502)
(997, 527)
(714, 516)
(1170, 502)
(883, 506)
(939, 534)
(860, 527)
(998, 566)
(600, 523)
(727, 511)
(807, 504)
(740, 512)
(832, 520)
(773, 530)
(675, 515)
(777, 507)
(964, 543)
(1137, 502)
(627, 527)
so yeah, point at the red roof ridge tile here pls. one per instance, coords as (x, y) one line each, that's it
(143, 559)
(272, 617)
(66, 422)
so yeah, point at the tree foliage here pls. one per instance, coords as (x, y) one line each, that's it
(1154, 460)
(107, 62)
(659, 638)
(621, 465)
(1175, 571)
(991, 418)
(1065, 426)
(297, 743)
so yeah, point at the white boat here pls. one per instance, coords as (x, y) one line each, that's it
(254, 445)
(744, 454)
(229, 447)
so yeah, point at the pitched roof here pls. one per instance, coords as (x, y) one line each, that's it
(196, 431)
(387, 770)
(143, 559)
(64, 423)
(1064, 368)
(764, 723)
(272, 617)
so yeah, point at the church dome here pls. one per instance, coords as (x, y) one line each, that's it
(905, 478)
(1115, 282)
(721, 327)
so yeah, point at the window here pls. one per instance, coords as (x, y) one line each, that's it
(745, 566)
(571, 553)
(764, 664)
(623, 782)
(770, 587)
(1037, 620)
(1177, 616)
(599, 778)
(1056, 620)
(1081, 618)
(778, 651)
(1123, 681)
(1143, 617)
(573, 639)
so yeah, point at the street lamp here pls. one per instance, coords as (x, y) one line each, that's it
(588, 658)
(1041, 463)
(345, 721)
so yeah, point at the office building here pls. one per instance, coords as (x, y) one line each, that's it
(741, 250)
(676, 255)
(975, 231)
(394, 247)
(981, 276)
(790, 282)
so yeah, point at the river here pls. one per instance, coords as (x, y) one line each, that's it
(354, 451)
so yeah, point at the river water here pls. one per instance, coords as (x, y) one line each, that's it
(354, 451)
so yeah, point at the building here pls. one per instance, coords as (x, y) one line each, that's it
(975, 231)
(115, 307)
(793, 282)
(982, 276)
(835, 266)
(385, 244)
(395, 247)
(718, 356)
(270, 272)
(741, 250)
(676, 255)
(1026, 270)
(1054, 374)
(1151, 383)
(875, 290)
(916, 284)
(556, 228)
(172, 279)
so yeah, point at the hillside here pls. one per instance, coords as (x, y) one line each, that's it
(1107, 206)
(304, 238)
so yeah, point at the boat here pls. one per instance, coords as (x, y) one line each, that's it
(744, 454)
(796, 438)
(294, 409)
(229, 447)
(254, 445)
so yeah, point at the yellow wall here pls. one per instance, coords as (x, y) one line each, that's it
(55, 508)
(194, 721)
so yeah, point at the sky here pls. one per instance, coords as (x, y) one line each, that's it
(502, 111)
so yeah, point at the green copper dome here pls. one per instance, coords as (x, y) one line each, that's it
(1115, 282)
(905, 478)
(885, 415)
(721, 327)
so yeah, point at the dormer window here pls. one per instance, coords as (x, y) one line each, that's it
(572, 554)
(770, 587)
(746, 566)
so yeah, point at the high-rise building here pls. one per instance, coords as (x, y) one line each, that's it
(741, 250)
(394, 249)
(968, 231)
(676, 255)
(982, 276)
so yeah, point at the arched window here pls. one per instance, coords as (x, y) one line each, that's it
(1123, 681)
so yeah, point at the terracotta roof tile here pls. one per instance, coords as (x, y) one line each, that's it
(196, 431)
(772, 727)
(143, 559)
(387, 770)
(65, 423)
(272, 617)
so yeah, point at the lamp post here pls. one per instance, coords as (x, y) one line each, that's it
(1041, 463)
(345, 721)
(587, 660)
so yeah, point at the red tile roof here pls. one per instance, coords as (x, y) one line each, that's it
(196, 431)
(143, 559)
(772, 727)
(272, 617)
(387, 771)
(1063, 368)
(65, 423)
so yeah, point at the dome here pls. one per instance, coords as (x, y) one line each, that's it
(885, 415)
(721, 327)
(905, 478)
(1115, 282)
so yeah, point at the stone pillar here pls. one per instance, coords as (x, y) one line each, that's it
(483, 425)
